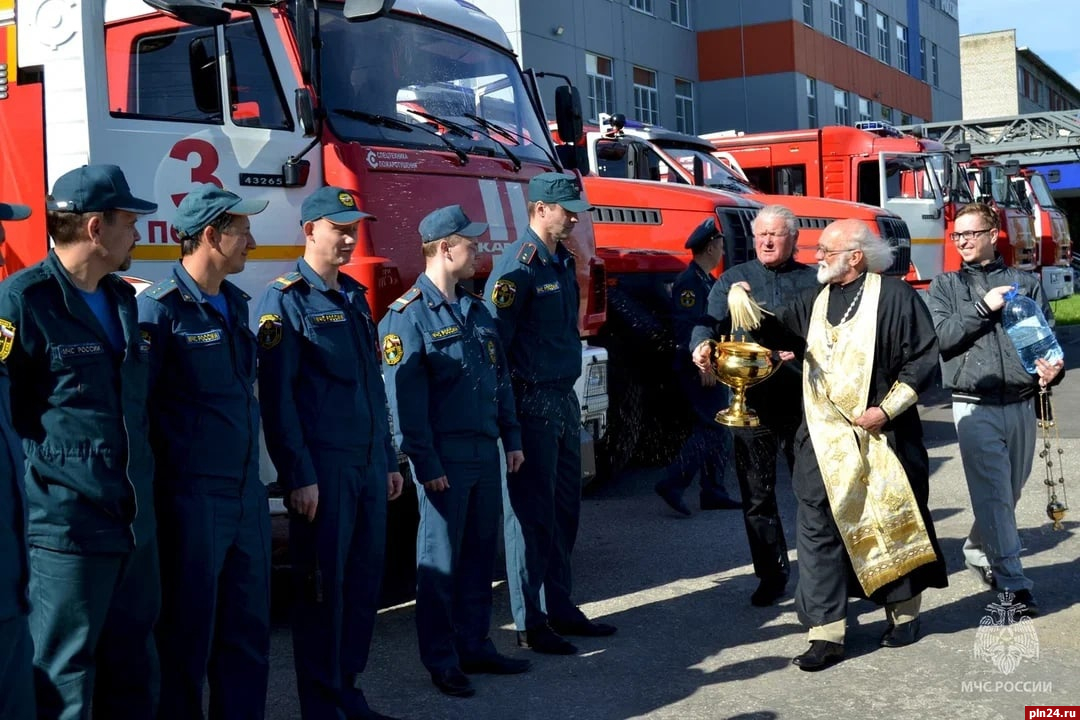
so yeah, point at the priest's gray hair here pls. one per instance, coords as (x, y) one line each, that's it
(877, 252)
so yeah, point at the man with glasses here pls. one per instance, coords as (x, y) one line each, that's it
(993, 396)
(861, 472)
(776, 278)
(214, 522)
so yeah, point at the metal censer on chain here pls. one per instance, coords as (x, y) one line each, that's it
(1057, 501)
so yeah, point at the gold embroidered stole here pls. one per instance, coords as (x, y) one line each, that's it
(868, 490)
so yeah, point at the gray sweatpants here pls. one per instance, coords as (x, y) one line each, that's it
(997, 446)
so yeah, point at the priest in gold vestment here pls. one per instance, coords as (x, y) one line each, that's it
(861, 473)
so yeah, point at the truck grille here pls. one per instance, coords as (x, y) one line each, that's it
(738, 234)
(895, 232)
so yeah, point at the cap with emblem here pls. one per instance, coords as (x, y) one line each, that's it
(13, 212)
(333, 203)
(701, 236)
(447, 221)
(552, 187)
(96, 188)
(206, 203)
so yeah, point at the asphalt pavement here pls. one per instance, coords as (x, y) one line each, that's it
(691, 646)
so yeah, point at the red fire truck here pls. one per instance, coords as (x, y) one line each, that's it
(411, 108)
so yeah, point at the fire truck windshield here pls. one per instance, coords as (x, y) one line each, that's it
(716, 173)
(421, 75)
(1042, 191)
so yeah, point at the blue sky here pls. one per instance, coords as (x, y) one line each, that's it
(1049, 28)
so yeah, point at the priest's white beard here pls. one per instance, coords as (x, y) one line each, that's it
(826, 273)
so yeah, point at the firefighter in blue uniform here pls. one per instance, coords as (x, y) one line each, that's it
(707, 449)
(69, 338)
(533, 292)
(16, 648)
(449, 387)
(327, 432)
(214, 522)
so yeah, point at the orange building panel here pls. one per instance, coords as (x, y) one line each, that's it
(791, 46)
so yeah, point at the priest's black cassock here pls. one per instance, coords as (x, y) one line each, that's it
(905, 351)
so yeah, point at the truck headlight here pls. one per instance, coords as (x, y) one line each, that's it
(596, 381)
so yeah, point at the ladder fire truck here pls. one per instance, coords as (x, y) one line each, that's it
(1043, 144)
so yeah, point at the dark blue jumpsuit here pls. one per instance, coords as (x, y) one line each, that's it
(707, 449)
(534, 297)
(79, 406)
(450, 392)
(326, 422)
(16, 648)
(214, 522)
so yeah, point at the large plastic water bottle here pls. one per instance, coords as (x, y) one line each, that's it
(1029, 331)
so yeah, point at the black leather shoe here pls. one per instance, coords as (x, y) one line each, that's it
(769, 590)
(453, 682)
(672, 497)
(900, 635)
(543, 640)
(984, 572)
(821, 655)
(719, 502)
(1031, 608)
(495, 664)
(582, 627)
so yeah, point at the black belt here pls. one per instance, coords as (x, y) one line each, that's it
(1003, 398)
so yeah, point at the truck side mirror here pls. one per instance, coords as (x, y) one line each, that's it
(1012, 167)
(573, 157)
(205, 13)
(699, 172)
(359, 10)
(962, 152)
(305, 112)
(1054, 176)
(568, 114)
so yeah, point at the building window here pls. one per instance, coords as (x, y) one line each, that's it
(862, 28)
(922, 58)
(601, 85)
(645, 6)
(646, 101)
(902, 60)
(905, 118)
(933, 65)
(808, 12)
(680, 13)
(883, 53)
(886, 113)
(840, 101)
(811, 102)
(838, 20)
(684, 106)
(866, 109)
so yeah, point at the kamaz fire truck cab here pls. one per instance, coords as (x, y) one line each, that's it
(1052, 228)
(410, 105)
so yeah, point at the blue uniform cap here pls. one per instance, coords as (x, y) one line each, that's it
(552, 187)
(13, 212)
(701, 236)
(96, 188)
(447, 221)
(333, 203)
(206, 203)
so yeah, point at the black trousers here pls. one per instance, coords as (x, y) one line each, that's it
(755, 466)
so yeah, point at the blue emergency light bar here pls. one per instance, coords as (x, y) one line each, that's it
(879, 128)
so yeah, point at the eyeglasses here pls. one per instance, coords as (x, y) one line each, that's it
(782, 233)
(827, 252)
(970, 234)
